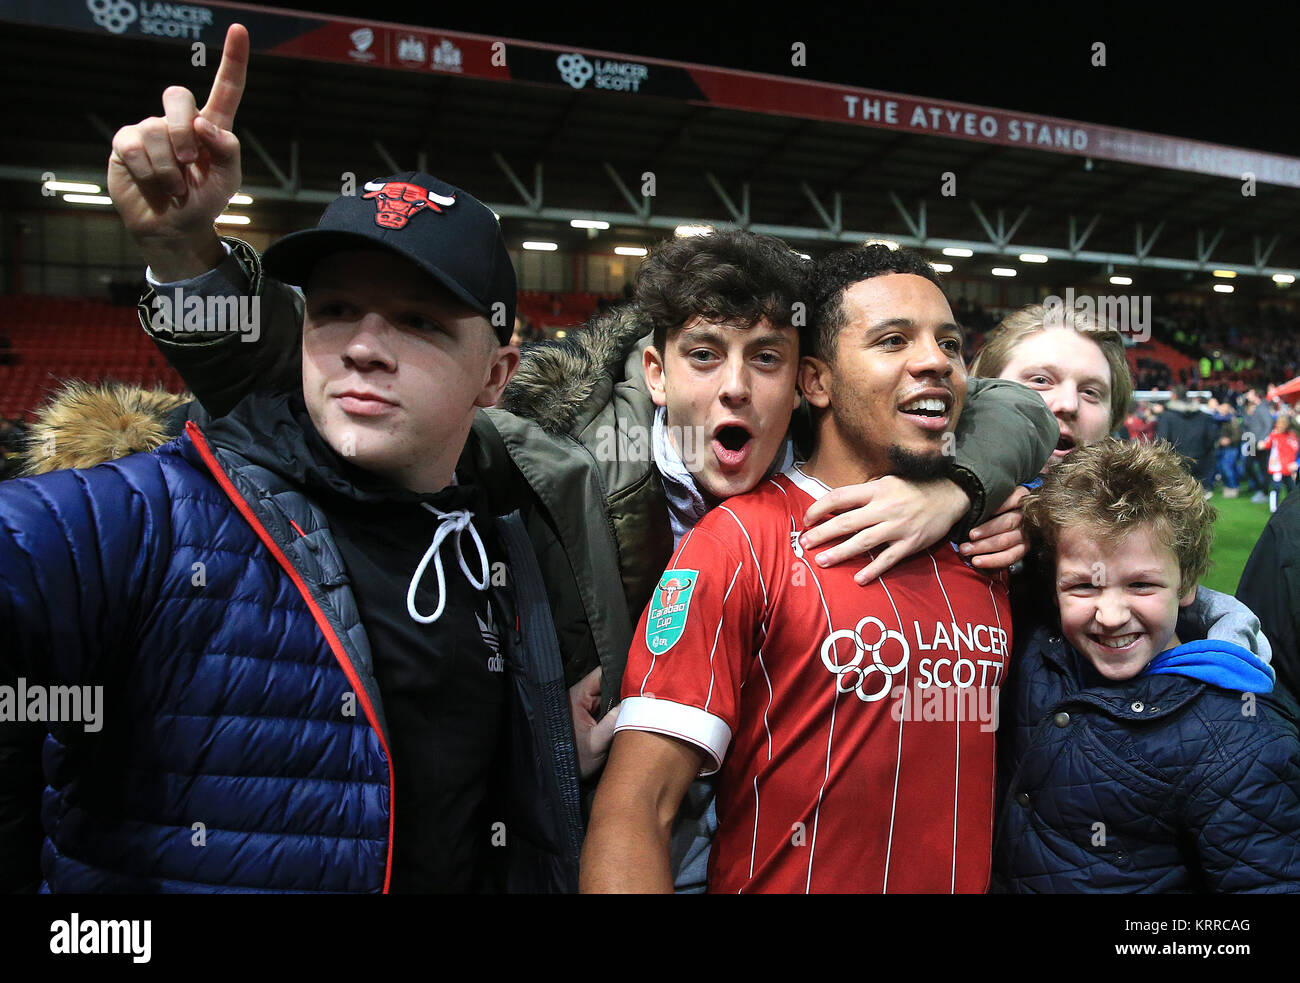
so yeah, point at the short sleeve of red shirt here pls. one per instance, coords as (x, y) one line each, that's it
(694, 643)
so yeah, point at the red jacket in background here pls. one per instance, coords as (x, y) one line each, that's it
(1140, 429)
(1282, 448)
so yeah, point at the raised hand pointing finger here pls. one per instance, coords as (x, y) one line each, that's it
(171, 176)
(228, 86)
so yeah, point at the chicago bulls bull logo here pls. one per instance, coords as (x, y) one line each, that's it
(669, 608)
(398, 201)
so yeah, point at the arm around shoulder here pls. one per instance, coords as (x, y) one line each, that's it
(1004, 436)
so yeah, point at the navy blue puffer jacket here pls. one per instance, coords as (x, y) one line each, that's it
(242, 743)
(1163, 783)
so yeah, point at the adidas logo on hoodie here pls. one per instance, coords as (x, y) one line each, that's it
(488, 630)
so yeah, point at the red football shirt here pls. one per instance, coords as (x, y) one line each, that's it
(852, 727)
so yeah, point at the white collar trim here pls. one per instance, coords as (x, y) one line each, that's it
(814, 487)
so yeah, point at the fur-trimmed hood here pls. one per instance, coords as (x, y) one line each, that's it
(556, 379)
(88, 423)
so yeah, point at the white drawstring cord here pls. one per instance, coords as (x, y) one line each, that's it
(452, 522)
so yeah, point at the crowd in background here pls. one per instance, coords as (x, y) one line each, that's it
(1243, 437)
(1154, 374)
(1233, 347)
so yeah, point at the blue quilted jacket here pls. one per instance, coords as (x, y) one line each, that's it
(1163, 783)
(207, 598)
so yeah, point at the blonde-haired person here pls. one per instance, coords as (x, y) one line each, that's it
(1073, 359)
(1140, 759)
(1076, 362)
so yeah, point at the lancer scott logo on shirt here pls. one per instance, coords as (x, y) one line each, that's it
(950, 637)
(873, 657)
(668, 609)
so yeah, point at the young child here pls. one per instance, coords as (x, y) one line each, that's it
(1136, 760)
(1282, 446)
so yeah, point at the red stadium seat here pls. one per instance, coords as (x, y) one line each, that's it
(61, 338)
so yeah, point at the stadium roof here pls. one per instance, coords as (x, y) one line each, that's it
(798, 159)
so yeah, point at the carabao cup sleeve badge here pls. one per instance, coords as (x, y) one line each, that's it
(669, 607)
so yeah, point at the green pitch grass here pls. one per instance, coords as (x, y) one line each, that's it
(1235, 534)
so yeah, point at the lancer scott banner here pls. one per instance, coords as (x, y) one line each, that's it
(418, 49)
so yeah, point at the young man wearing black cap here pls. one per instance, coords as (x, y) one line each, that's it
(325, 665)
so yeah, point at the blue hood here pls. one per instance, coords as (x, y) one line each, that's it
(1219, 663)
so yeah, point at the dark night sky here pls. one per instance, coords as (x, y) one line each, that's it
(1230, 78)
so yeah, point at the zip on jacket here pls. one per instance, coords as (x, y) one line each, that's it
(336, 644)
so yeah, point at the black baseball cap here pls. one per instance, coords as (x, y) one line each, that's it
(446, 232)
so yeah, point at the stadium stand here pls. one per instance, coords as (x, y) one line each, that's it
(53, 338)
(561, 310)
